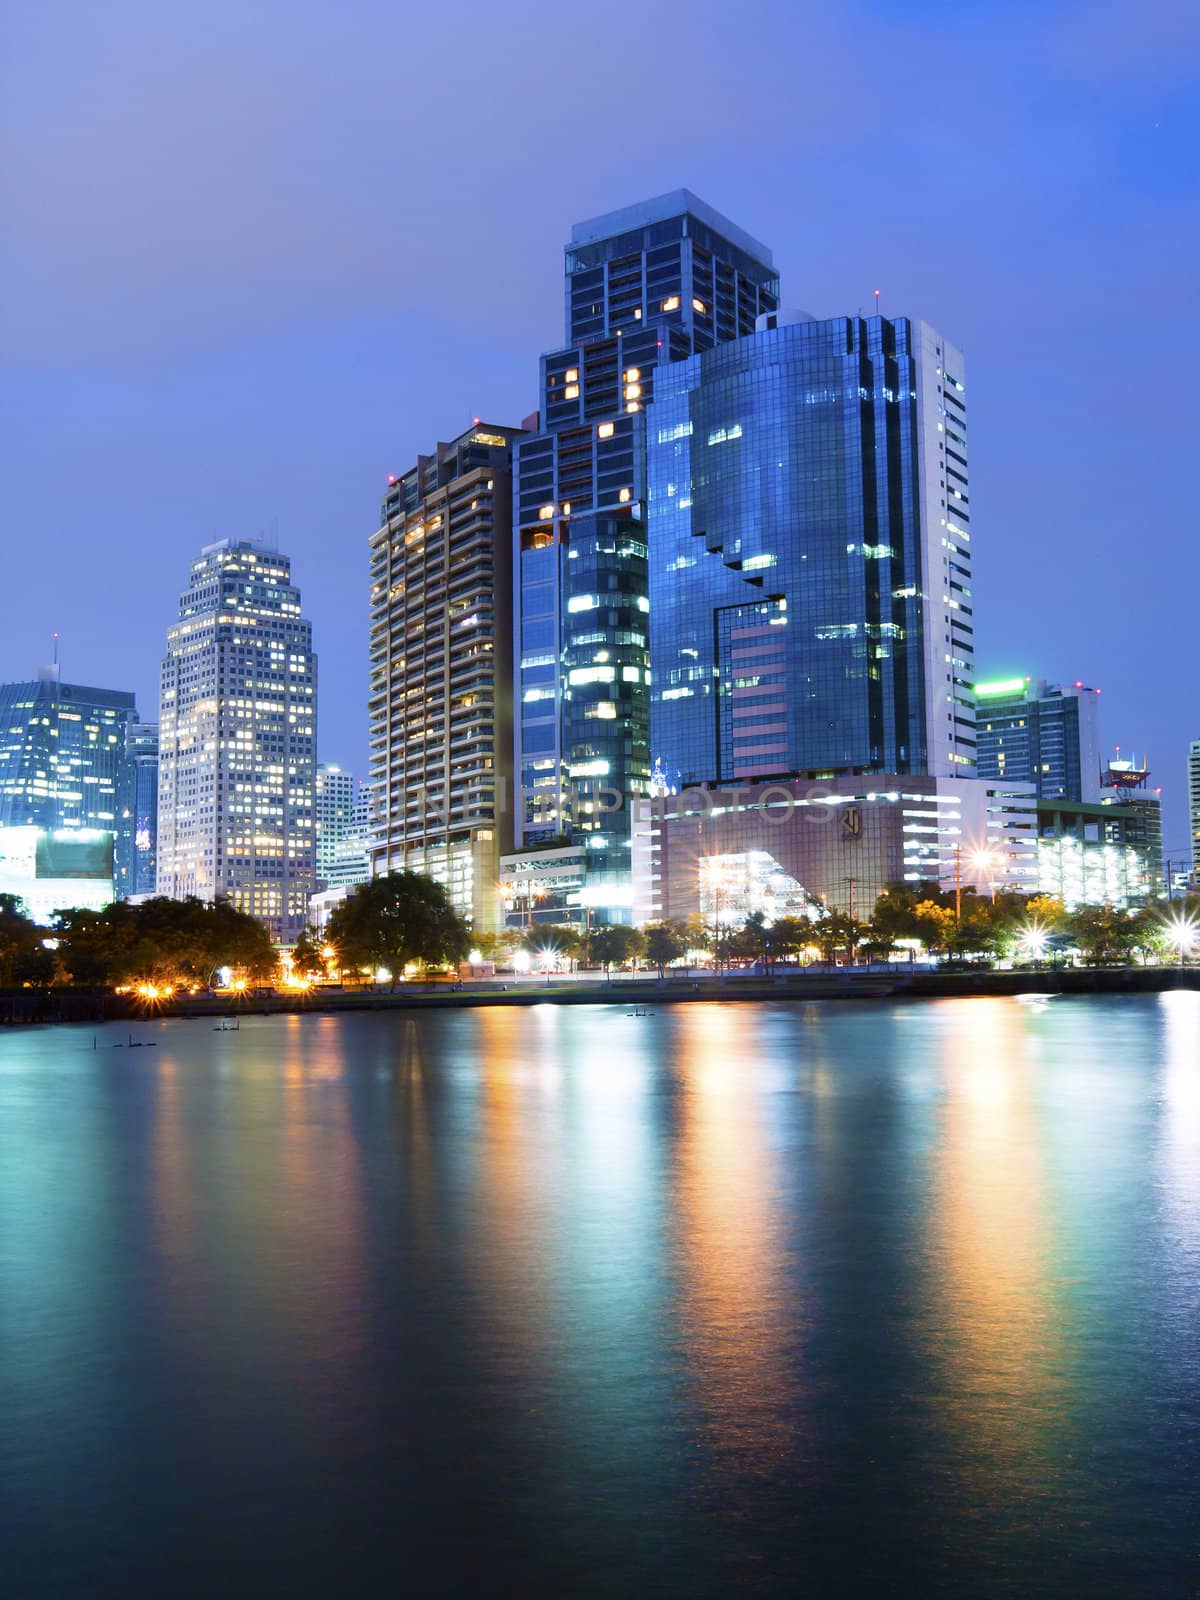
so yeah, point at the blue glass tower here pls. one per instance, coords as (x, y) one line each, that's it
(645, 286)
(810, 555)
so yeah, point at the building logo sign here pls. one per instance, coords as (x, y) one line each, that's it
(851, 822)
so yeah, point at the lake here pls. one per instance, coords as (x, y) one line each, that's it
(829, 1298)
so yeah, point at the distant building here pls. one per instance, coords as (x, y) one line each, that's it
(440, 701)
(64, 766)
(349, 862)
(1096, 853)
(335, 792)
(1194, 804)
(142, 807)
(237, 739)
(1030, 731)
(726, 852)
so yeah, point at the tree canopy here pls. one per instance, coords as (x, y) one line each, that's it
(395, 920)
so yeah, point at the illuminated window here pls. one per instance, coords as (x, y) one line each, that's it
(633, 391)
(632, 405)
(698, 305)
(545, 513)
(623, 496)
(632, 374)
(571, 392)
(571, 375)
(605, 430)
(671, 303)
(566, 508)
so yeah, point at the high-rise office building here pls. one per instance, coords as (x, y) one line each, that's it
(142, 807)
(1194, 804)
(810, 554)
(64, 764)
(333, 810)
(645, 286)
(237, 739)
(1030, 731)
(441, 671)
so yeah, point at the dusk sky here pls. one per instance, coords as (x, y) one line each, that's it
(257, 257)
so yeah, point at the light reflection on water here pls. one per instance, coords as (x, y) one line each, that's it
(850, 1297)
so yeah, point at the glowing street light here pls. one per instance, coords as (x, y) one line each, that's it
(1181, 932)
(1032, 941)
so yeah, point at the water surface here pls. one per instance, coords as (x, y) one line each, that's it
(833, 1298)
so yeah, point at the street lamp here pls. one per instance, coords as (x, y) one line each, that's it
(987, 861)
(1181, 932)
(1032, 940)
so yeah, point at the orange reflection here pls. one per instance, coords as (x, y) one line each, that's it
(737, 1320)
(998, 1313)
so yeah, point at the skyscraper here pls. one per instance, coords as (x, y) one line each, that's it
(810, 554)
(63, 760)
(1040, 733)
(645, 286)
(1194, 804)
(237, 729)
(441, 670)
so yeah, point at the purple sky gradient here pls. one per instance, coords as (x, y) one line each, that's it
(256, 257)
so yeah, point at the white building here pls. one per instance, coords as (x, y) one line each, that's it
(237, 739)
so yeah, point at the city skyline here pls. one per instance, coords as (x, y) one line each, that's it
(273, 393)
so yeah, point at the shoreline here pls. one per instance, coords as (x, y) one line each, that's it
(29, 1007)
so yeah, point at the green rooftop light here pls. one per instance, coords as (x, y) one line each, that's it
(1001, 686)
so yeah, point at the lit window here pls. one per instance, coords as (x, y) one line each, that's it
(632, 406)
(571, 375)
(633, 391)
(571, 392)
(623, 496)
(546, 512)
(632, 374)
(605, 430)
(566, 508)
(671, 303)
(698, 305)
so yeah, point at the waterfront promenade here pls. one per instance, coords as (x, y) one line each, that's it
(33, 1006)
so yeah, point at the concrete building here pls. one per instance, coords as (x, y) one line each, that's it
(835, 841)
(441, 684)
(237, 739)
(1097, 853)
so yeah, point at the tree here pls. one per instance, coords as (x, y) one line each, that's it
(665, 942)
(24, 959)
(837, 931)
(615, 945)
(397, 919)
(933, 924)
(563, 942)
(163, 941)
(307, 960)
(789, 936)
(1103, 933)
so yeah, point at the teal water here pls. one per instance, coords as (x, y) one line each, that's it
(844, 1298)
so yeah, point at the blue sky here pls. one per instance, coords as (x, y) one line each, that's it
(255, 258)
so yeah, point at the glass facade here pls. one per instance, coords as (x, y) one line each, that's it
(810, 598)
(142, 745)
(65, 763)
(1036, 733)
(645, 286)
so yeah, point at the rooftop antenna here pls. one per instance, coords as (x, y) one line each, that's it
(877, 302)
(56, 650)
